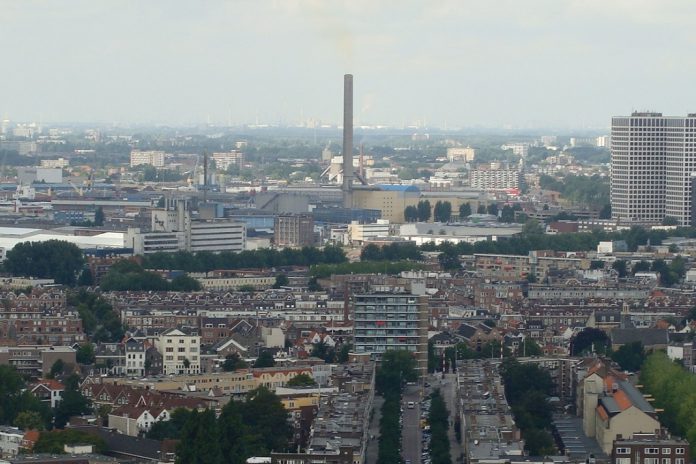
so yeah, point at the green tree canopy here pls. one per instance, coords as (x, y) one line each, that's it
(265, 359)
(53, 259)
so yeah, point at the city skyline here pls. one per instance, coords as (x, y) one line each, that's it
(540, 64)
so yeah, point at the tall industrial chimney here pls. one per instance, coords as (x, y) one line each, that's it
(347, 140)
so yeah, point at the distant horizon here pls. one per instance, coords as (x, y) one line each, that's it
(510, 64)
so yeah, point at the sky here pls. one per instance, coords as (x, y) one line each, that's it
(448, 64)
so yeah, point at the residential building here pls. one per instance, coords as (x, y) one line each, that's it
(294, 230)
(49, 391)
(59, 163)
(136, 420)
(652, 161)
(36, 361)
(151, 157)
(392, 318)
(223, 160)
(494, 177)
(10, 441)
(466, 154)
(135, 357)
(650, 448)
(180, 350)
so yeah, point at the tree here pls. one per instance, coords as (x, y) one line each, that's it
(72, 404)
(529, 347)
(57, 368)
(411, 214)
(200, 440)
(29, 420)
(641, 266)
(301, 380)
(442, 211)
(590, 339)
(233, 362)
(464, 210)
(492, 209)
(630, 356)
(171, 429)
(53, 259)
(532, 227)
(54, 441)
(605, 212)
(85, 279)
(424, 210)
(313, 285)
(265, 359)
(187, 363)
(670, 221)
(620, 267)
(85, 354)
(323, 351)
(99, 217)
(344, 353)
(507, 214)
(281, 280)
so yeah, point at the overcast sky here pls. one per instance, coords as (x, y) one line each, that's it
(517, 63)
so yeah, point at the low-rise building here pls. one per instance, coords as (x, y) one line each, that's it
(180, 350)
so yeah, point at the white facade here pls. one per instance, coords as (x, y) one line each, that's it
(503, 178)
(29, 175)
(216, 235)
(360, 233)
(224, 160)
(176, 347)
(153, 158)
(59, 163)
(461, 154)
(135, 358)
(10, 441)
(144, 243)
(653, 158)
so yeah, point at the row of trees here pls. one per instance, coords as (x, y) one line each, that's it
(439, 423)
(592, 191)
(442, 211)
(264, 258)
(128, 275)
(527, 389)
(674, 390)
(364, 267)
(398, 367)
(99, 320)
(493, 349)
(255, 426)
(391, 252)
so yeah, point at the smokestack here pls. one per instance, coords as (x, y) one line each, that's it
(347, 140)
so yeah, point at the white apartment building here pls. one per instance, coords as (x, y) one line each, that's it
(494, 177)
(359, 233)
(10, 441)
(223, 160)
(518, 149)
(653, 158)
(151, 157)
(59, 163)
(461, 154)
(180, 352)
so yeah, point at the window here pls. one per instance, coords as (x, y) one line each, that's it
(679, 451)
(666, 450)
(666, 461)
(651, 461)
(652, 450)
(623, 461)
(623, 451)
(679, 461)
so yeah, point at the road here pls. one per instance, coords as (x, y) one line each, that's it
(411, 431)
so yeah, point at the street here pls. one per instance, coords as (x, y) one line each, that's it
(411, 431)
(448, 389)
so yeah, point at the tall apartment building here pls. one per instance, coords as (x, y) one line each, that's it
(153, 158)
(294, 230)
(392, 318)
(461, 154)
(180, 351)
(653, 158)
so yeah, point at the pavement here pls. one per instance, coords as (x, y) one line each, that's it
(411, 431)
(372, 451)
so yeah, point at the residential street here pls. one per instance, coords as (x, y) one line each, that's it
(411, 431)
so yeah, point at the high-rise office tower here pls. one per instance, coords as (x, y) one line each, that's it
(653, 158)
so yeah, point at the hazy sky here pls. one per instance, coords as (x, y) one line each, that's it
(522, 63)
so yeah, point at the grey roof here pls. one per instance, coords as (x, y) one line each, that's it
(647, 337)
(636, 396)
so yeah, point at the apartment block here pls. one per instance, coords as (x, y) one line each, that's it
(180, 351)
(392, 318)
(653, 158)
(151, 157)
(294, 230)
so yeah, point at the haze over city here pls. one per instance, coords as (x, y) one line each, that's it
(503, 64)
